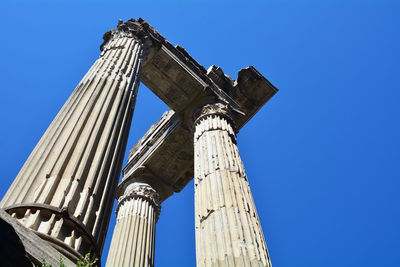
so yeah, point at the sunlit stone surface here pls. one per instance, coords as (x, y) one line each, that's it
(64, 193)
(65, 190)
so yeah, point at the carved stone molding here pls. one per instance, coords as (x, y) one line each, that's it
(215, 109)
(132, 28)
(141, 190)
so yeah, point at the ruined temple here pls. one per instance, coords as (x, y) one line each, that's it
(60, 203)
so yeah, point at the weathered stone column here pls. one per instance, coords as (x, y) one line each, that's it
(65, 190)
(133, 239)
(228, 231)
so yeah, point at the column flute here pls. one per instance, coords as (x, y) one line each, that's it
(133, 238)
(228, 230)
(65, 190)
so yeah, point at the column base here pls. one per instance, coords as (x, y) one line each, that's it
(44, 220)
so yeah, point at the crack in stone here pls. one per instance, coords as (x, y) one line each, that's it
(209, 212)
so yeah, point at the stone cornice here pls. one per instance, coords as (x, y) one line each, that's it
(186, 86)
(153, 134)
(167, 147)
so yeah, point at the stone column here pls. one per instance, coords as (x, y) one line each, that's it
(65, 190)
(133, 239)
(228, 231)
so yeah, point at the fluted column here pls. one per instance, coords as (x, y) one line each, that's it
(228, 231)
(133, 239)
(65, 190)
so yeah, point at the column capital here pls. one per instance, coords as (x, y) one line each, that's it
(141, 190)
(132, 28)
(134, 233)
(218, 108)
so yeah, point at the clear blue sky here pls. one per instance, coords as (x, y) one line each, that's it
(323, 156)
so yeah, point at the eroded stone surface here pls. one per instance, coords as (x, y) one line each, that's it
(228, 231)
(215, 107)
(29, 243)
(65, 190)
(167, 147)
(134, 233)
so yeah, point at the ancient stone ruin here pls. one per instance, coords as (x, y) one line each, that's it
(60, 203)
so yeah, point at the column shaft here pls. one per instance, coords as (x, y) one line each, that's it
(133, 239)
(66, 187)
(228, 230)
